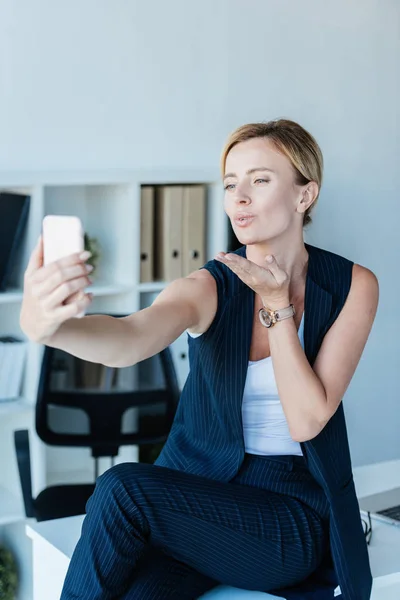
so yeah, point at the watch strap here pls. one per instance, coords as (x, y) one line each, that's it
(269, 317)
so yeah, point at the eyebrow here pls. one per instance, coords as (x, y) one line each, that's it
(250, 171)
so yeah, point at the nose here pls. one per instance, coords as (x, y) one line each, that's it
(242, 200)
(241, 195)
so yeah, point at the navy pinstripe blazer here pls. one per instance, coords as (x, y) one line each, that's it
(207, 435)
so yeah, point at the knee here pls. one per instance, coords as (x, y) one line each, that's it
(116, 477)
(124, 475)
(121, 480)
(110, 484)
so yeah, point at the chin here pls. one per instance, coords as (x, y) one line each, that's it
(249, 239)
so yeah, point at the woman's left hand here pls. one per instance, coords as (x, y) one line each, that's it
(270, 283)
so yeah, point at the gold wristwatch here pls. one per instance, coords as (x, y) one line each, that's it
(269, 317)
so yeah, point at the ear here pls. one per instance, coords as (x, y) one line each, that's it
(308, 196)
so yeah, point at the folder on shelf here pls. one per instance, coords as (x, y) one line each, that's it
(147, 234)
(193, 228)
(168, 234)
(87, 375)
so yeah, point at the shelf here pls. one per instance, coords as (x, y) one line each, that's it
(11, 508)
(152, 286)
(109, 205)
(12, 295)
(109, 289)
(97, 289)
(9, 407)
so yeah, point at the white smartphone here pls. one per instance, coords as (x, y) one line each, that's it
(62, 236)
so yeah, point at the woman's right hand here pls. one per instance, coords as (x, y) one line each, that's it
(53, 294)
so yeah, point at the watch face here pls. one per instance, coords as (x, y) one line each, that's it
(265, 318)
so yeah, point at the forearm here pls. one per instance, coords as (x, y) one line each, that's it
(97, 338)
(300, 390)
(125, 341)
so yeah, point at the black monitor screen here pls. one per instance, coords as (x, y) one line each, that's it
(14, 210)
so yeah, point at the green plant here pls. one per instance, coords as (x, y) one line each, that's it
(92, 244)
(8, 575)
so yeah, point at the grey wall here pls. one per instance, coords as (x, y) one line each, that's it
(100, 84)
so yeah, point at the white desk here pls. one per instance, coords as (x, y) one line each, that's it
(54, 542)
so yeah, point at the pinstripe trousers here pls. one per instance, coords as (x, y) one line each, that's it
(153, 533)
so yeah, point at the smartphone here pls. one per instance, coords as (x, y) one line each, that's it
(62, 236)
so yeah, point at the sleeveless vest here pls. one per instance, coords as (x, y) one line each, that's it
(206, 437)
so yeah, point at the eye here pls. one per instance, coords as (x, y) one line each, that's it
(228, 186)
(265, 180)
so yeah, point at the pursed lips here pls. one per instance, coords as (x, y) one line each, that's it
(244, 215)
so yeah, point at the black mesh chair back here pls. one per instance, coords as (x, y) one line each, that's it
(104, 409)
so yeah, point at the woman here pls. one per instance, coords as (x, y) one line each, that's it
(253, 487)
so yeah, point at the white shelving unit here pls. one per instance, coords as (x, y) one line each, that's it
(11, 507)
(109, 205)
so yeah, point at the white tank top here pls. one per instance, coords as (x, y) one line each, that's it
(265, 429)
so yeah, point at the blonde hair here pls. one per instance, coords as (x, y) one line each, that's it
(293, 141)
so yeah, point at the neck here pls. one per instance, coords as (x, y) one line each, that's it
(292, 258)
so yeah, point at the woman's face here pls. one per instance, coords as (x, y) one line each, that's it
(260, 191)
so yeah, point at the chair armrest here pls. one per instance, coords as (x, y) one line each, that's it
(21, 441)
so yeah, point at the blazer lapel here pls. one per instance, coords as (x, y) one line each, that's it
(242, 307)
(317, 308)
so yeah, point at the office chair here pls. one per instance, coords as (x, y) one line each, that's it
(105, 411)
